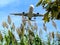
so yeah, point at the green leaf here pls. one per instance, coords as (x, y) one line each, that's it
(40, 1)
(54, 14)
(38, 40)
(46, 17)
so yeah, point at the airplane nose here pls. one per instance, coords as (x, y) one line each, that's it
(32, 6)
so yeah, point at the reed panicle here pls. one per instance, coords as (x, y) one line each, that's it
(52, 35)
(9, 20)
(13, 26)
(44, 27)
(40, 32)
(35, 26)
(54, 24)
(58, 35)
(29, 37)
(23, 20)
(19, 32)
(4, 24)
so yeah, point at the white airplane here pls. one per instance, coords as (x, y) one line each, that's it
(30, 14)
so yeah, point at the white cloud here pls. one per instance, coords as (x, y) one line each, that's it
(6, 2)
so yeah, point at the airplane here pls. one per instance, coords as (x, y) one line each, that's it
(30, 14)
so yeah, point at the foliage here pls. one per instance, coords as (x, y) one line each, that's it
(28, 38)
(52, 7)
(27, 34)
(38, 40)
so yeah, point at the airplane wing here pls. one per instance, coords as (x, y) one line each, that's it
(36, 15)
(20, 14)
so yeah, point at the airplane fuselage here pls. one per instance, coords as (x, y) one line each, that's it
(30, 13)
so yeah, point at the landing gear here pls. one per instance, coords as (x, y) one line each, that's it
(29, 18)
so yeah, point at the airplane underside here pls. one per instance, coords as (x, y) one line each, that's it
(29, 18)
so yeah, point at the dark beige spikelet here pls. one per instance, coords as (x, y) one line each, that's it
(44, 27)
(13, 26)
(58, 35)
(19, 32)
(9, 20)
(54, 24)
(35, 26)
(40, 32)
(52, 34)
(4, 24)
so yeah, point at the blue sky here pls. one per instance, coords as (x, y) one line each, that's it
(10, 6)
